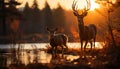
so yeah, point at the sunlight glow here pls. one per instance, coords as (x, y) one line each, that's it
(94, 5)
(64, 3)
(81, 4)
(98, 45)
(113, 1)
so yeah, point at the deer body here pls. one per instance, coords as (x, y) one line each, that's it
(86, 33)
(57, 40)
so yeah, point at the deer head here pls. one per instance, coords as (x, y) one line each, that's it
(83, 11)
(52, 31)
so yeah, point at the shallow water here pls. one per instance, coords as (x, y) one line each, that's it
(44, 45)
(35, 53)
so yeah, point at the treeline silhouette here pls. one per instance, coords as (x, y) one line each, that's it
(33, 23)
(37, 20)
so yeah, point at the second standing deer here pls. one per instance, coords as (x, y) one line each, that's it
(86, 33)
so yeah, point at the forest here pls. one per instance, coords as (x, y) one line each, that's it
(30, 25)
(31, 22)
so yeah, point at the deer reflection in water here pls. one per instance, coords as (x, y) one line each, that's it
(87, 33)
(57, 40)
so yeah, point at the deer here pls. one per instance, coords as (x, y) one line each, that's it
(58, 39)
(86, 33)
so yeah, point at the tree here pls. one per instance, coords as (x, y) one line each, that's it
(59, 18)
(36, 16)
(7, 12)
(48, 16)
(27, 10)
(27, 15)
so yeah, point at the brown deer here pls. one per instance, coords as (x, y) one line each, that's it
(57, 40)
(86, 33)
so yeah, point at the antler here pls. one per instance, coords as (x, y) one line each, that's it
(74, 8)
(86, 8)
(83, 11)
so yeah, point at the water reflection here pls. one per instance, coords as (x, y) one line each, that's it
(71, 57)
(40, 57)
(98, 45)
(44, 45)
(35, 53)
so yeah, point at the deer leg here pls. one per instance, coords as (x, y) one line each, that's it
(91, 45)
(66, 48)
(85, 45)
(81, 45)
(53, 51)
(94, 42)
(62, 50)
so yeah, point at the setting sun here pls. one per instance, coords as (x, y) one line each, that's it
(94, 5)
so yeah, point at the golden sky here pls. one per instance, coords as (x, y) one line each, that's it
(53, 3)
(66, 4)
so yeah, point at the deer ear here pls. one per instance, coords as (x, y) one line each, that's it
(75, 13)
(48, 29)
(85, 14)
(56, 29)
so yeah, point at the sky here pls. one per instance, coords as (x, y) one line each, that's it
(96, 9)
(66, 4)
(53, 3)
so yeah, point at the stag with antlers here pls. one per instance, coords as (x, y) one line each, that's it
(86, 33)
